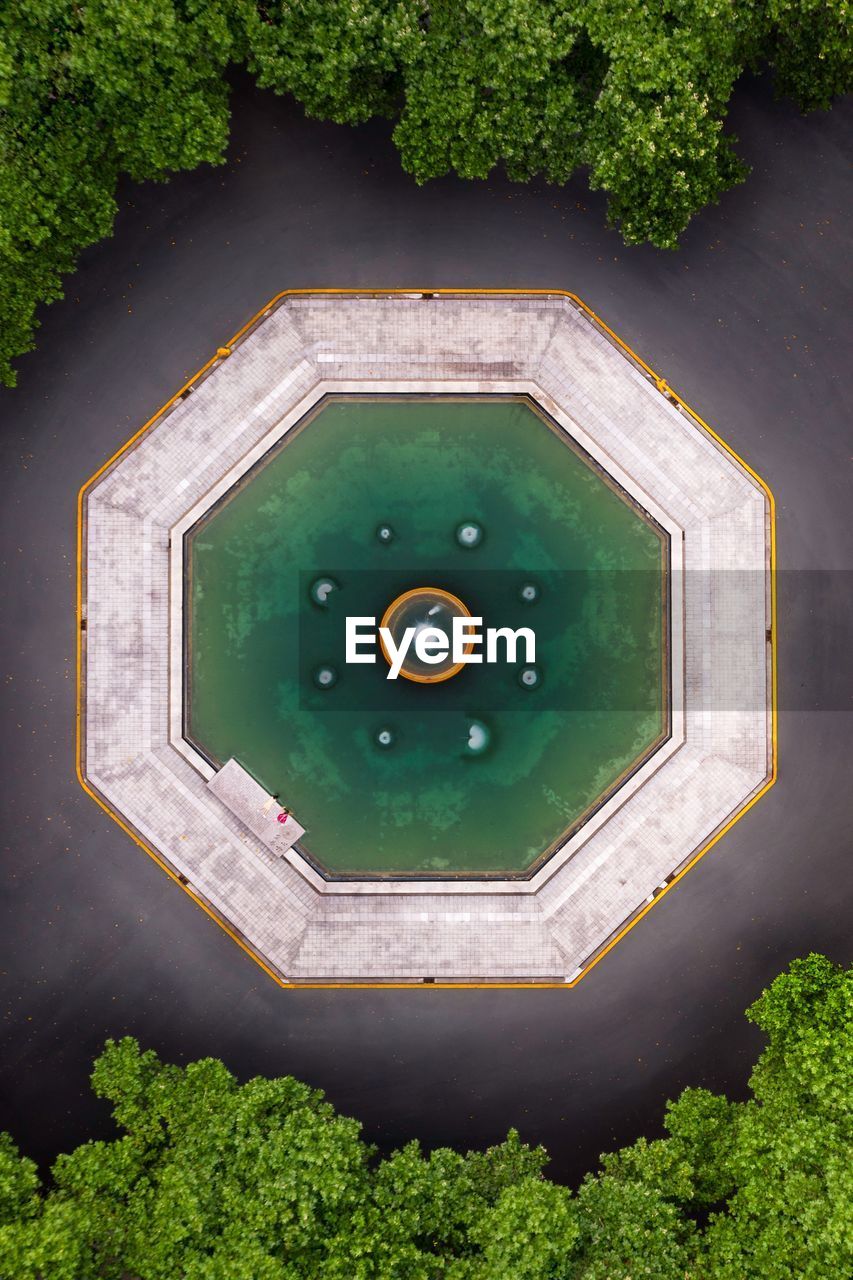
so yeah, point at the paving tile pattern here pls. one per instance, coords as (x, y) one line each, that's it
(303, 928)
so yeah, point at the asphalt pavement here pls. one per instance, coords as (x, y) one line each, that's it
(749, 321)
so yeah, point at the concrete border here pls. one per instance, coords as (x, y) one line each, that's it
(127, 762)
(601, 812)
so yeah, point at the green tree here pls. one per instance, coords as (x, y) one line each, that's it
(210, 1174)
(790, 1169)
(20, 1205)
(491, 82)
(213, 1180)
(337, 57)
(656, 143)
(810, 47)
(635, 92)
(772, 1175)
(88, 91)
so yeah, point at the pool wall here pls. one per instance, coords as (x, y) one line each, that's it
(610, 781)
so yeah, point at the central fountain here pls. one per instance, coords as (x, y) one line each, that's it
(425, 609)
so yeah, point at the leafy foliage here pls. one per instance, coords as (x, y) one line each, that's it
(496, 81)
(772, 1175)
(656, 142)
(790, 1169)
(636, 93)
(811, 49)
(338, 57)
(88, 91)
(213, 1180)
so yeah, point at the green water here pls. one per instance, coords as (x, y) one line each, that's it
(426, 804)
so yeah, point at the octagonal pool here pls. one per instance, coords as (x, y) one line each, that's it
(381, 507)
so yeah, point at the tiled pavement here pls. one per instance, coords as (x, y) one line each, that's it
(718, 519)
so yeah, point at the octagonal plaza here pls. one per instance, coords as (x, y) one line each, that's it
(219, 833)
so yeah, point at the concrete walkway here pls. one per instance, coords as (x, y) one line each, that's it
(719, 755)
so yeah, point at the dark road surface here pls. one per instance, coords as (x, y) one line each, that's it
(747, 323)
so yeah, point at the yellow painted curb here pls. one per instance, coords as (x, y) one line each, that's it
(663, 387)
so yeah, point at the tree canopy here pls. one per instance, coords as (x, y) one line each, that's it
(634, 92)
(211, 1179)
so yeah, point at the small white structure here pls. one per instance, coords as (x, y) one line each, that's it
(256, 808)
